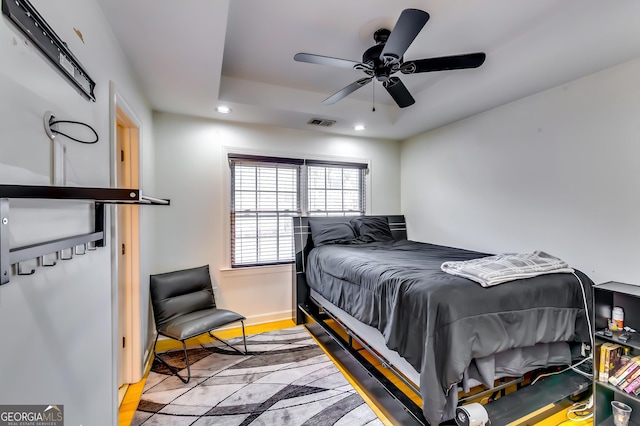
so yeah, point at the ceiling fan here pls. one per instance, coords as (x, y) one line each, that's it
(386, 58)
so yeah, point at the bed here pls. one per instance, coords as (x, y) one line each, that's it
(443, 332)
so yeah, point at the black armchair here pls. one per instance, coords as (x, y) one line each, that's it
(184, 306)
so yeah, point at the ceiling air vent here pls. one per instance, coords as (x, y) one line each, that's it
(321, 122)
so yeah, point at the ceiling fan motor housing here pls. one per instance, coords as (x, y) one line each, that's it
(381, 36)
(378, 68)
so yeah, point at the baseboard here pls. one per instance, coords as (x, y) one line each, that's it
(268, 318)
(148, 355)
(121, 393)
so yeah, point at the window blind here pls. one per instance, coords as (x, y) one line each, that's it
(266, 192)
(264, 198)
(335, 190)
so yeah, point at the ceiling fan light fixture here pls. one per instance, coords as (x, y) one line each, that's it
(223, 109)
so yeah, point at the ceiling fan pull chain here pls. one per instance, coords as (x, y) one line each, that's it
(374, 97)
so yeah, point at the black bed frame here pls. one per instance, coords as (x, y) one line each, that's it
(395, 404)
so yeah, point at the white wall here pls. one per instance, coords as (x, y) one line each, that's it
(192, 170)
(557, 171)
(57, 325)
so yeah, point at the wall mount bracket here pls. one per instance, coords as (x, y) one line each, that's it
(28, 20)
(48, 119)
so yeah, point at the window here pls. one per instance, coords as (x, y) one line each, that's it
(266, 192)
(334, 189)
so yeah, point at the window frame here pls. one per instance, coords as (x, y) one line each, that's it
(302, 194)
(326, 188)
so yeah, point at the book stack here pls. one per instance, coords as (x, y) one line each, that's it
(626, 377)
(609, 360)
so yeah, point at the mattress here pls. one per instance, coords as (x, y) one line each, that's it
(440, 323)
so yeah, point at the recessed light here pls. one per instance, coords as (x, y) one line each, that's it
(359, 127)
(223, 109)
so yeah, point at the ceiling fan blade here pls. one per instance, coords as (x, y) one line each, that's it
(325, 60)
(407, 28)
(399, 92)
(347, 90)
(456, 62)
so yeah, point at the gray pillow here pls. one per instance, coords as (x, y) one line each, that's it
(331, 232)
(371, 229)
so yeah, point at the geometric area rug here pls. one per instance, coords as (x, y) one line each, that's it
(285, 380)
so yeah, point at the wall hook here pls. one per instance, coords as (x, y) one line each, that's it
(80, 249)
(62, 254)
(45, 262)
(20, 271)
(48, 127)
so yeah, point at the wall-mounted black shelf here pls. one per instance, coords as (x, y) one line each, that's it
(102, 195)
(99, 196)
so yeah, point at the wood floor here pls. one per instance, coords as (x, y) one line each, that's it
(133, 393)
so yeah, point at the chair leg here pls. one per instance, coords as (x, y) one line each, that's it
(244, 337)
(173, 370)
(186, 357)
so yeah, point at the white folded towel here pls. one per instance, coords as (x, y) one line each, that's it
(498, 269)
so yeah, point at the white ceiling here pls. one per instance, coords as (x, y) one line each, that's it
(193, 55)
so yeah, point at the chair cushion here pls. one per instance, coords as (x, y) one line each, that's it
(195, 323)
(177, 293)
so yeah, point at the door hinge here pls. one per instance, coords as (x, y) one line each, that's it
(121, 155)
(123, 249)
(123, 342)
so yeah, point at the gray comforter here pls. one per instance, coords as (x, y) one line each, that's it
(440, 322)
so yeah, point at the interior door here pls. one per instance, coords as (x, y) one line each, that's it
(127, 245)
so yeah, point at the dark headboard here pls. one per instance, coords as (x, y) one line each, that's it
(303, 245)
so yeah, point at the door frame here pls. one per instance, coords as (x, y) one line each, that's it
(132, 365)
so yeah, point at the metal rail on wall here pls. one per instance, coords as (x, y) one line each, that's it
(27, 19)
(62, 248)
